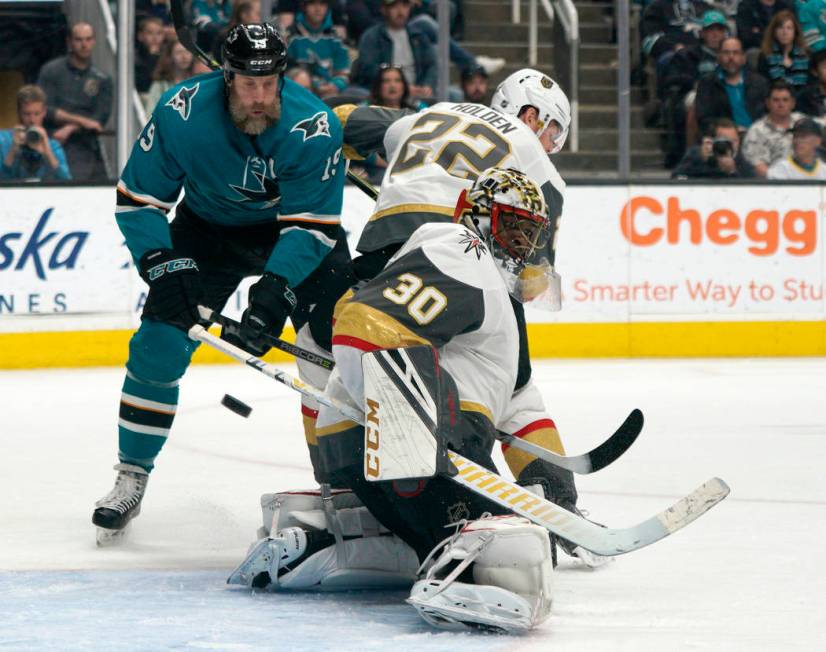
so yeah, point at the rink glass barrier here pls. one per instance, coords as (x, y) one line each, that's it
(650, 269)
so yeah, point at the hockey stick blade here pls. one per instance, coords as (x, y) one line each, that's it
(570, 526)
(597, 539)
(207, 314)
(600, 457)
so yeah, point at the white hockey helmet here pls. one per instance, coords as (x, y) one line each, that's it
(509, 211)
(529, 87)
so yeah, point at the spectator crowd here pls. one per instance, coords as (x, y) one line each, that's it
(740, 87)
(377, 51)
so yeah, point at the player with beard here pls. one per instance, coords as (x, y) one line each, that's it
(259, 160)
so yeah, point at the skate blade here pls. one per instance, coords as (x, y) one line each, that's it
(106, 538)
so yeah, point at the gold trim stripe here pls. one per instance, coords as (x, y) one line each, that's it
(335, 428)
(371, 325)
(470, 406)
(546, 437)
(412, 208)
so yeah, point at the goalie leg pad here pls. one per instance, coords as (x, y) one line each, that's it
(512, 575)
(410, 408)
(297, 550)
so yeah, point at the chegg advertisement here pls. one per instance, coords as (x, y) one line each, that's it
(692, 253)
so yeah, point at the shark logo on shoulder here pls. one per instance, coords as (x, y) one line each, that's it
(182, 100)
(318, 125)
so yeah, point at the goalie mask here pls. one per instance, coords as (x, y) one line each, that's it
(528, 87)
(508, 210)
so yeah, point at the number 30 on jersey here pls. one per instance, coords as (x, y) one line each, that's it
(424, 302)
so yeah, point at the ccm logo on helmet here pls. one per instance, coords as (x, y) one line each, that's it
(260, 62)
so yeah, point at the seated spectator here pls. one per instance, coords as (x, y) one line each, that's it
(769, 138)
(683, 70)
(175, 64)
(147, 51)
(26, 151)
(397, 43)
(314, 46)
(475, 85)
(391, 89)
(753, 17)
(288, 10)
(783, 53)
(300, 77)
(157, 9)
(718, 156)
(812, 17)
(802, 162)
(667, 25)
(733, 91)
(79, 102)
(812, 99)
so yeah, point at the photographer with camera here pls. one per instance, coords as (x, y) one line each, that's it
(26, 151)
(717, 157)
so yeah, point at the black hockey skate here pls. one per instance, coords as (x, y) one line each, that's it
(114, 511)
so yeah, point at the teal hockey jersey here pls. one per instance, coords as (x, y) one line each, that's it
(291, 175)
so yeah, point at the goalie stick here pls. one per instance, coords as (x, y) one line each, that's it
(186, 36)
(598, 458)
(570, 526)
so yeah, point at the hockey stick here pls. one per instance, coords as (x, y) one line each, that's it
(207, 314)
(598, 458)
(570, 526)
(185, 35)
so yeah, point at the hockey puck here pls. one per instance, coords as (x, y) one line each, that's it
(239, 407)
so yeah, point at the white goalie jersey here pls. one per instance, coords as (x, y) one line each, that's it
(435, 154)
(441, 289)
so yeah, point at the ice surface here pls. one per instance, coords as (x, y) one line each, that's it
(750, 575)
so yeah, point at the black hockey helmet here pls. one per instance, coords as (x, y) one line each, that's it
(256, 50)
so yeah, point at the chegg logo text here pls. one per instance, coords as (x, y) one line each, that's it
(645, 222)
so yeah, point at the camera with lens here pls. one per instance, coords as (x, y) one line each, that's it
(722, 147)
(33, 136)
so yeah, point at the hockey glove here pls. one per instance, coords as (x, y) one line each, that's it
(174, 287)
(271, 301)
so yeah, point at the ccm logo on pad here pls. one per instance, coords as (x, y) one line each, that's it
(372, 464)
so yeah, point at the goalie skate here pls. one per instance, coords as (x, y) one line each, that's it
(116, 509)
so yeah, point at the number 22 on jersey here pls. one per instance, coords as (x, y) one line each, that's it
(464, 149)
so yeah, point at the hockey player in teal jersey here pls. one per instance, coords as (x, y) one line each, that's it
(259, 161)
